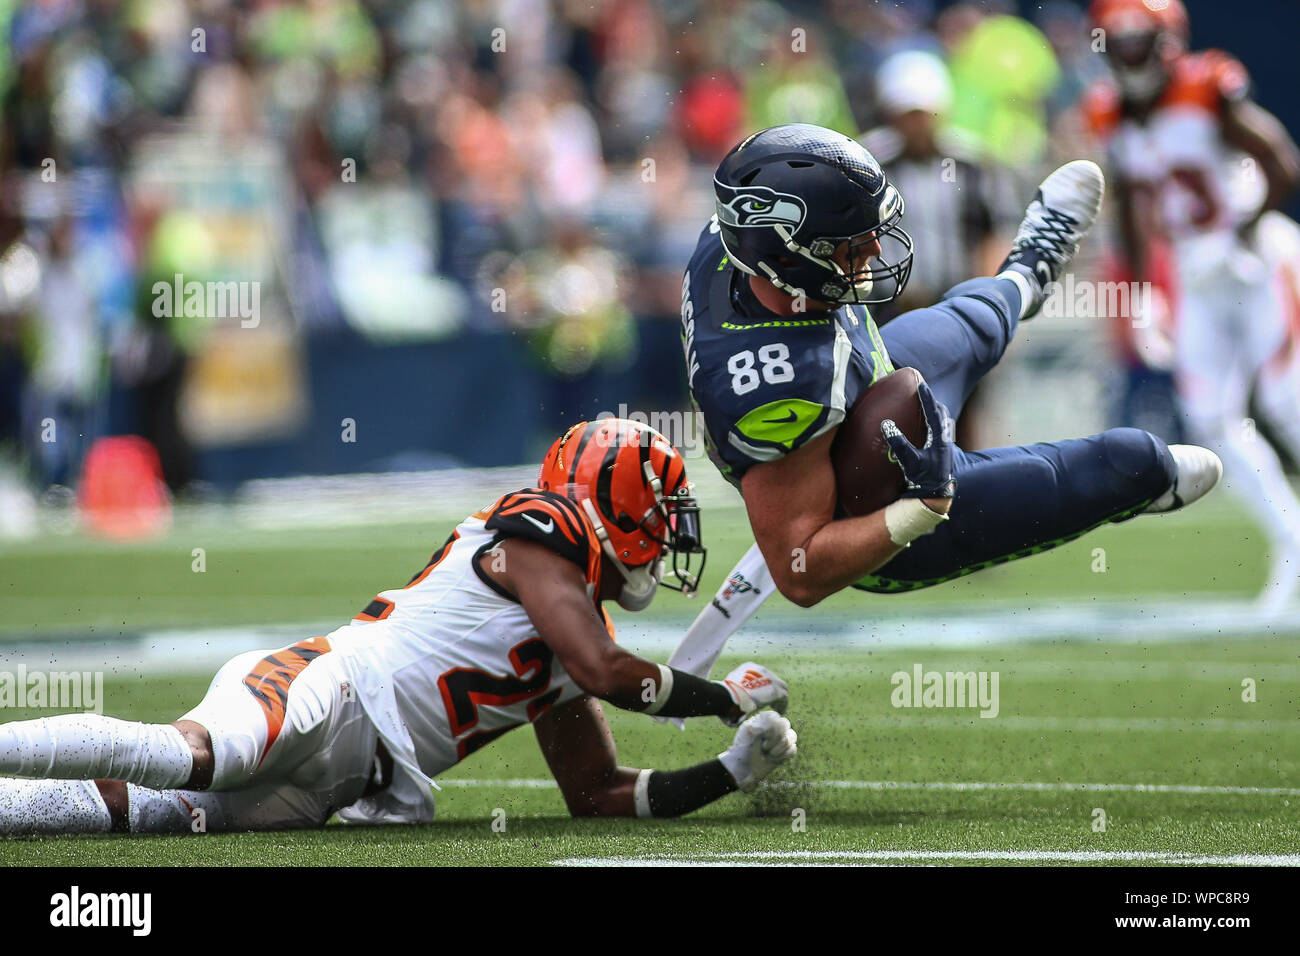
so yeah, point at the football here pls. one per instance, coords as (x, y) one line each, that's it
(865, 477)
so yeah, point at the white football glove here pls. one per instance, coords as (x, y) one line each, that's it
(761, 745)
(753, 687)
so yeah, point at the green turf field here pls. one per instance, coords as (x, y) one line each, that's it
(1154, 737)
(69, 585)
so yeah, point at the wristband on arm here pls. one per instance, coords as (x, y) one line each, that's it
(671, 793)
(680, 694)
(909, 518)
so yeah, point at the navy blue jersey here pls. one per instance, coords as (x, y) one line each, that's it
(766, 384)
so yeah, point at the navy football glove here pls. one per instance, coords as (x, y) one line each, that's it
(927, 470)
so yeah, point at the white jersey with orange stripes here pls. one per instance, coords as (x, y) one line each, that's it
(1231, 308)
(1178, 151)
(451, 661)
(1234, 334)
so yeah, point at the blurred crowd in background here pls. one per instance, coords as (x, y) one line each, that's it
(434, 174)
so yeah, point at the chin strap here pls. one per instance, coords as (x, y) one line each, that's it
(639, 596)
(603, 537)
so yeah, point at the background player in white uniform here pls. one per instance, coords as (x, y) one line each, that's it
(504, 626)
(1182, 136)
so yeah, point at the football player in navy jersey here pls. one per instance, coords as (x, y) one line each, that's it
(779, 344)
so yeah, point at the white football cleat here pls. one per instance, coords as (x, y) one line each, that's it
(1199, 470)
(1059, 216)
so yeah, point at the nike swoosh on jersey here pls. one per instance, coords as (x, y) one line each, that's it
(792, 417)
(544, 528)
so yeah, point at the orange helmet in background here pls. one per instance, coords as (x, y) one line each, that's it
(631, 484)
(1142, 39)
(1120, 15)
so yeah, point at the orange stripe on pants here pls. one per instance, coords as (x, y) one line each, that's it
(270, 678)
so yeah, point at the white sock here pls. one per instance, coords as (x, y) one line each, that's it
(740, 596)
(1021, 283)
(172, 811)
(91, 746)
(52, 806)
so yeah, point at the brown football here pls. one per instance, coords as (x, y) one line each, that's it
(865, 477)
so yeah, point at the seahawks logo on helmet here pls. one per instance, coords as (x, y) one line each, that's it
(889, 204)
(758, 206)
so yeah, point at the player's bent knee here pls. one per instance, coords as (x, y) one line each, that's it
(1142, 461)
(226, 754)
(200, 744)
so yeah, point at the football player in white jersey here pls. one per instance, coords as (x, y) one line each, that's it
(504, 626)
(1183, 138)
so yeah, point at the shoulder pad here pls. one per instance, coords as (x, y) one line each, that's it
(1229, 76)
(1208, 80)
(545, 517)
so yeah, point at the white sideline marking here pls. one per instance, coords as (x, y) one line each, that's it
(780, 857)
(968, 720)
(542, 783)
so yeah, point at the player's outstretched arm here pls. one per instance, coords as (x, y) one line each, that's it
(579, 749)
(554, 593)
(791, 505)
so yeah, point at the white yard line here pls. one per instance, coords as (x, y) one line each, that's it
(805, 857)
(544, 783)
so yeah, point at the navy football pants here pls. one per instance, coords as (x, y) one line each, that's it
(1017, 501)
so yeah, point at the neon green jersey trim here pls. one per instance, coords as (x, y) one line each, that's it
(775, 324)
(780, 422)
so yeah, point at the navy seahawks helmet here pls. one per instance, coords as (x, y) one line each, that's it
(789, 196)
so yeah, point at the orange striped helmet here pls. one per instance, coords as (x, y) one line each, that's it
(632, 485)
(1155, 15)
(1143, 38)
